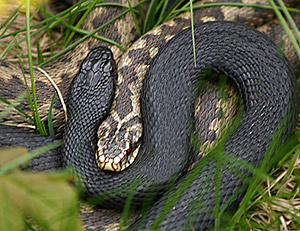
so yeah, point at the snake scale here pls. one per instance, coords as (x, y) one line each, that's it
(268, 90)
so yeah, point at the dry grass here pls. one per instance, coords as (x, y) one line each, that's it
(281, 198)
(40, 39)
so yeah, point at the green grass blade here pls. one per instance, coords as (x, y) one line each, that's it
(290, 19)
(72, 20)
(150, 14)
(41, 58)
(125, 214)
(30, 155)
(217, 185)
(285, 26)
(134, 19)
(50, 124)
(12, 17)
(91, 7)
(7, 48)
(171, 12)
(38, 122)
(13, 105)
(163, 10)
(40, 54)
(293, 25)
(193, 34)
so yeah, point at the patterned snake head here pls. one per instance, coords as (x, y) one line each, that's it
(118, 142)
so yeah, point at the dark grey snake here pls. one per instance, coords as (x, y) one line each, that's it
(265, 81)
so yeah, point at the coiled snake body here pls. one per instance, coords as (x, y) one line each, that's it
(264, 79)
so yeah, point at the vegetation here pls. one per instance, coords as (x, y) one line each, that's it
(272, 201)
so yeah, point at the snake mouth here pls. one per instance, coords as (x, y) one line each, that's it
(119, 162)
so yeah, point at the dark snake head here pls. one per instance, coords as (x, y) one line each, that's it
(92, 90)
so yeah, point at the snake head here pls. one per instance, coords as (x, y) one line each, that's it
(94, 84)
(117, 146)
(114, 158)
(92, 89)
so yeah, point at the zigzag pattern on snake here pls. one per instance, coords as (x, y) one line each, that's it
(247, 97)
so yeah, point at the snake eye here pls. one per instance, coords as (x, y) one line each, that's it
(128, 147)
(116, 158)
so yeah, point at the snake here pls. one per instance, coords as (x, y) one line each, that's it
(269, 93)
